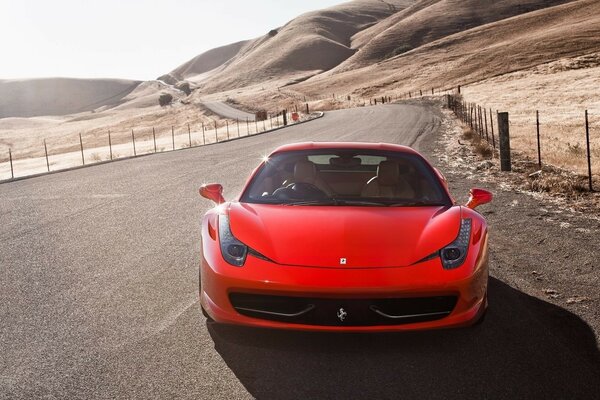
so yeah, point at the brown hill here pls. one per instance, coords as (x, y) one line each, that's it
(512, 44)
(60, 96)
(204, 62)
(430, 20)
(312, 43)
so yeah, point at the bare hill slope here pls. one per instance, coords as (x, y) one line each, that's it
(312, 43)
(430, 20)
(204, 62)
(493, 49)
(60, 96)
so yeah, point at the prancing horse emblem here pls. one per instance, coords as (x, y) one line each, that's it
(343, 261)
(342, 314)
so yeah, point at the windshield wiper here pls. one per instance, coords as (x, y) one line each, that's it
(320, 202)
(360, 203)
(417, 204)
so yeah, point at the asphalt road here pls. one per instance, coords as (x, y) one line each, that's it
(225, 110)
(98, 296)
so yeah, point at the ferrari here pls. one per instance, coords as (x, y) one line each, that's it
(344, 237)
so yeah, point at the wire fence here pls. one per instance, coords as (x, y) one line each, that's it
(569, 145)
(86, 149)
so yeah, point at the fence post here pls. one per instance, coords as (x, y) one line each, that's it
(247, 127)
(110, 145)
(173, 136)
(133, 141)
(432, 92)
(503, 133)
(264, 125)
(307, 111)
(81, 145)
(216, 132)
(458, 89)
(480, 122)
(227, 123)
(12, 172)
(189, 134)
(271, 120)
(237, 121)
(487, 136)
(492, 126)
(284, 112)
(256, 124)
(203, 135)
(421, 92)
(46, 150)
(539, 148)
(589, 155)
(154, 138)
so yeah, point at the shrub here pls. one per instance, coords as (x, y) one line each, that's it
(165, 99)
(184, 87)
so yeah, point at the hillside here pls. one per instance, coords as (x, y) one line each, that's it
(427, 21)
(60, 96)
(203, 63)
(312, 43)
(493, 49)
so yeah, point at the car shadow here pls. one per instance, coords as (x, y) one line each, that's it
(525, 348)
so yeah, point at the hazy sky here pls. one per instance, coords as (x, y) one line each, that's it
(136, 39)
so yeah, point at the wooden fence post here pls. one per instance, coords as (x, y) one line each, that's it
(46, 150)
(203, 135)
(227, 123)
(504, 134)
(284, 112)
(492, 126)
(189, 134)
(110, 145)
(487, 136)
(173, 135)
(81, 144)
(237, 121)
(589, 155)
(12, 172)
(539, 146)
(154, 138)
(216, 132)
(133, 141)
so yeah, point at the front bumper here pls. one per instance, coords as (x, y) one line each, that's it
(353, 290)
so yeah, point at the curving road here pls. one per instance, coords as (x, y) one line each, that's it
(226, 111)
(98, 296)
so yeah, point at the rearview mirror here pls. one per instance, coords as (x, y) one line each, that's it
(212, 191)
(478, 197)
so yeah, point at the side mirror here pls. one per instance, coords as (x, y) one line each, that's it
(478, 197)
(212, 191)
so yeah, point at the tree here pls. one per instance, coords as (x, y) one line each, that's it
(165, 99)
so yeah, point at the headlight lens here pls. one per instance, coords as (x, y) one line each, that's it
(455, 253)
(234, 251)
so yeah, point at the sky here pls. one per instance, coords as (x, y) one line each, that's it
(129, 39)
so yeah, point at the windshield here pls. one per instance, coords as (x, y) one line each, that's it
(346, 177)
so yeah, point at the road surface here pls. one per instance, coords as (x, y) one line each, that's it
(226, 111)
(99, 281)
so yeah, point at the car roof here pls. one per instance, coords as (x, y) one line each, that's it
(344, 145)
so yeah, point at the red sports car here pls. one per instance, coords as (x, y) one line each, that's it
(344, 237)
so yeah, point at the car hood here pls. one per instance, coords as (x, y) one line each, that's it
(366, 237)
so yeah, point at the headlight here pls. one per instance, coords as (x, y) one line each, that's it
(234, 251)
(455, 253)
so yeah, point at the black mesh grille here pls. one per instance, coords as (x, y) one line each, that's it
(343, 312)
